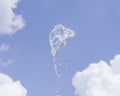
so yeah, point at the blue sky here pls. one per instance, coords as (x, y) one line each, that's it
(96, 24)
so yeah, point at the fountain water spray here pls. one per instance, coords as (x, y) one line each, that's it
(57, 39)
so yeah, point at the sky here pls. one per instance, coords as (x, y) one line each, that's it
(26, 62)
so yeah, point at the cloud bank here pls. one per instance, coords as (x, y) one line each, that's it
(8, 87)
(9, 21)
(99, 79)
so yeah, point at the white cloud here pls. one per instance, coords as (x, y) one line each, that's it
(99, 79)
(4, 47)
(6, 63)
(9, 21)
(8, 87)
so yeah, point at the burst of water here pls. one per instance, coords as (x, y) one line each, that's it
(57, 38)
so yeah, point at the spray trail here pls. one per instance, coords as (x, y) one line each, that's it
(57, 38)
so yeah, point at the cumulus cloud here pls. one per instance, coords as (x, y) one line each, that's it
(4, 47)
(8, 87)
(99, 79)
(9, 21)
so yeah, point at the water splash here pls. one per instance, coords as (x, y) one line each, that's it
(57, 39)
